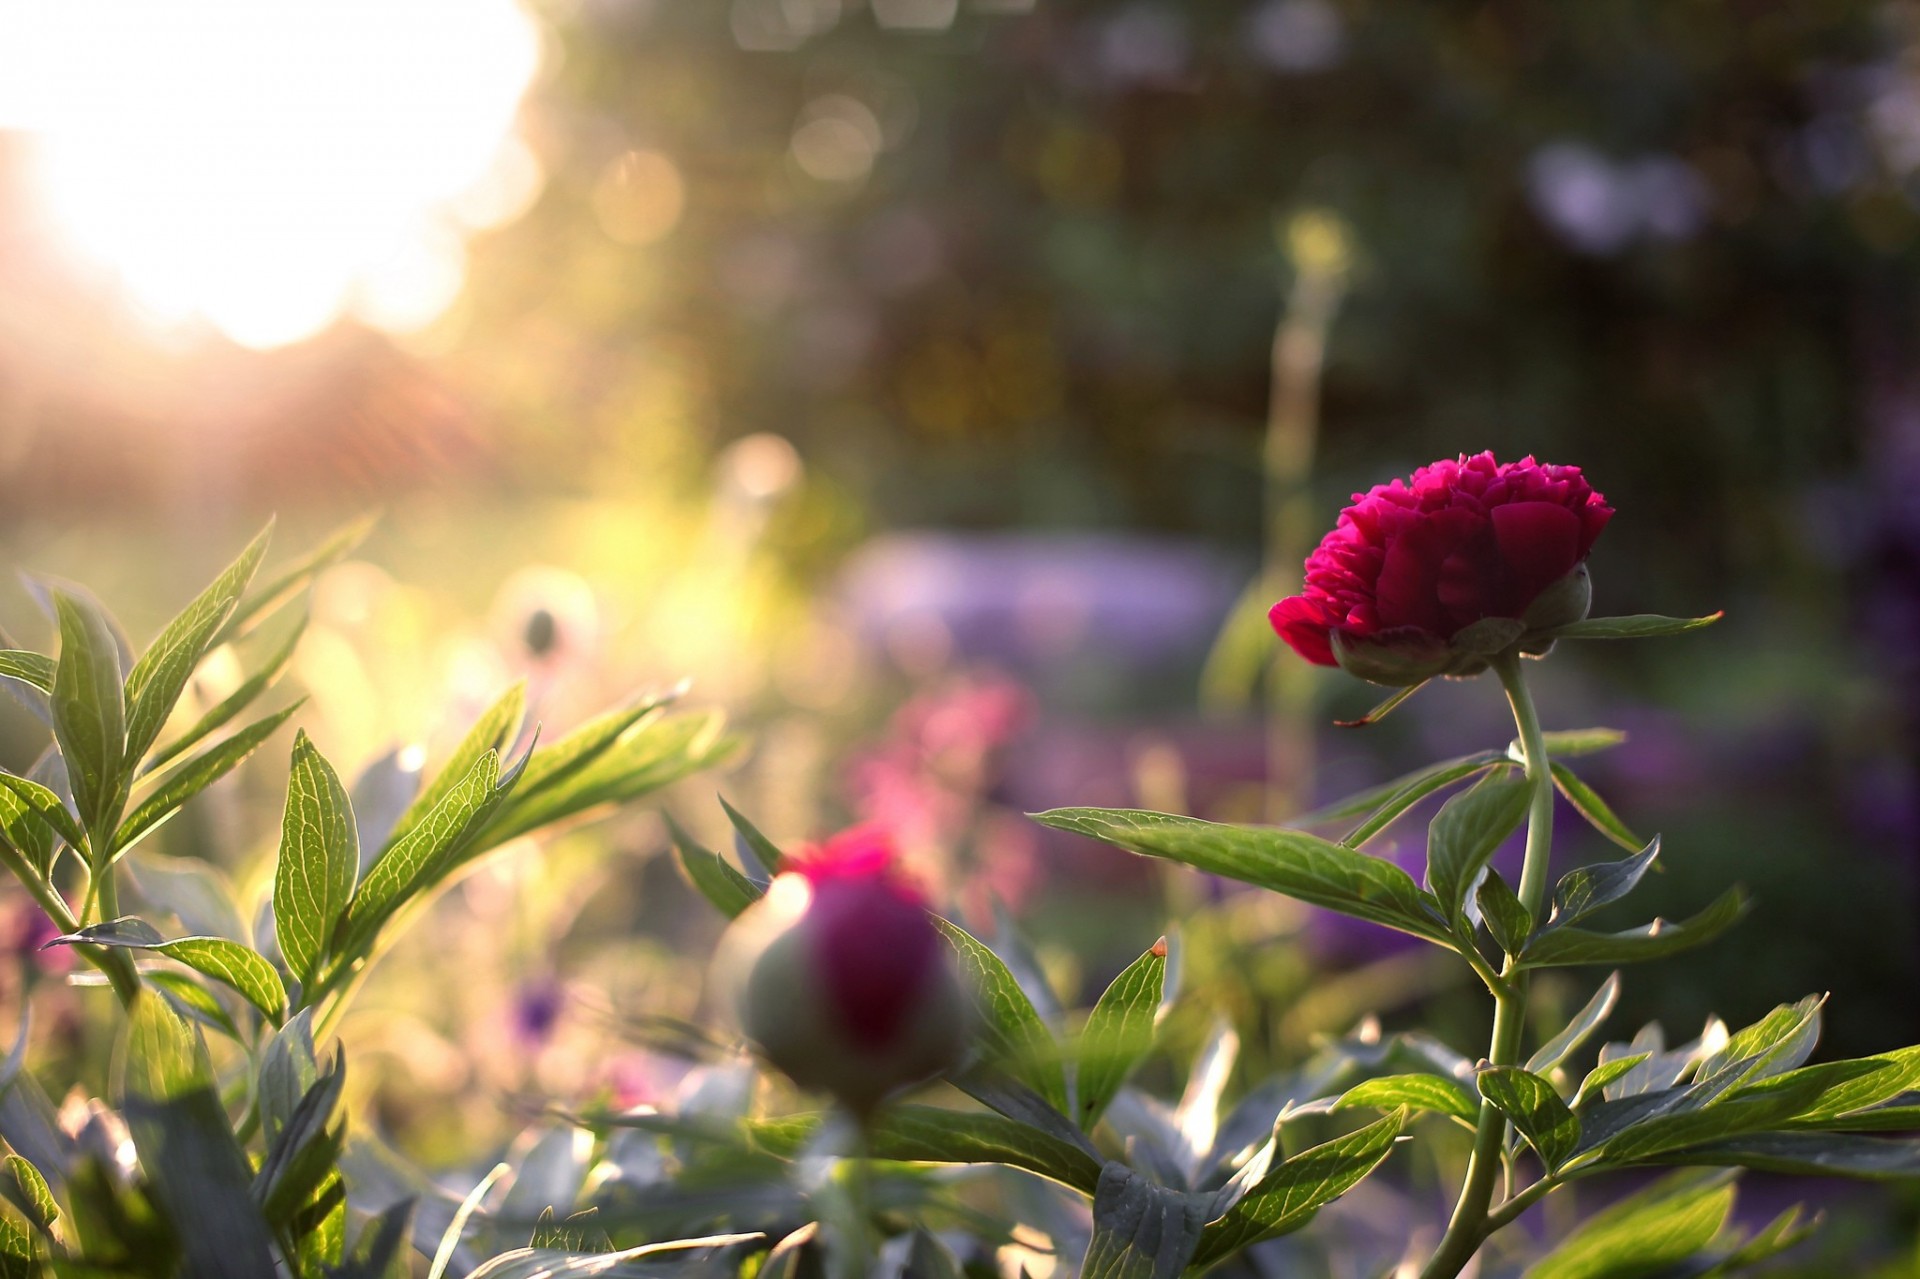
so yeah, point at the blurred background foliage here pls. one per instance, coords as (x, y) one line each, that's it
(899, 372)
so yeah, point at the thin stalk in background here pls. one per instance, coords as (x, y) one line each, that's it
(1471, 1224)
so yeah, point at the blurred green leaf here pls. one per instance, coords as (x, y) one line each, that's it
(1570, 743)
(294, 578)
(1119, 1031)
(1585, 889)
(1386, 707)
(1563, 946)
(235, 702)
(155, 683)
(288, 1071)
(1435, 1093)
(1535, 1109)
(192, 1000)
(29, 1192)
(1579, 1030)
(46, 805)
(1808, 1154)
(1593, 808)
(493, 732)
(89, 716)
(319, 857)
(1778, 1235)
(1645, 1233)
(1468, 829)
(551, 1263)
(17, 1255)
(1017, 1038)
(928, 1134)
(1507, 917)
(1285, 861)
(196, 775)
(1141, 1230)
(319, 1229)
(1633, 626)
(727, 889)
(1293, 1190)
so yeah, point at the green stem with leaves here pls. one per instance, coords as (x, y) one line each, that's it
(1471, 1224)
(116, 964)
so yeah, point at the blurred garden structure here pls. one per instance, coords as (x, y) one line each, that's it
(926, 380)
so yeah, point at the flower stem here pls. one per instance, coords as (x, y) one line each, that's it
(1470, 1224)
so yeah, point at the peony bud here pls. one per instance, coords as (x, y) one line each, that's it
(1436, 575)
(841, 979)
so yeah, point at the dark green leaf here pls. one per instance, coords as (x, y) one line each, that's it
(1385, 708)
(198, 773)
(1508, 918)
(1439, 1094)
(1395, 797)
(1633, 626)
(1285, 861)
(493, 732)
(157, 679)
(1593, 808)
(288, 1070)
(1809, 1154)
(1563, 946)
(1119, 1031)
(1585, 889)
(233, 703)
(44, 804)
(1292, 1191)
(1141, 1230)
(1535, 1109)
(1644, 1234)
(89, 715)
(1013, 1031)
(1468, 829)
(319, 856)
(725, 888)
(301, 1157)
(29, 668)
(294, 579)
(763, 848)
(1577, 1032)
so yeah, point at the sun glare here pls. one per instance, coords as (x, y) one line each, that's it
(270, 166)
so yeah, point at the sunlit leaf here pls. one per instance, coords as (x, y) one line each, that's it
(1645, 1233)
(1467, 831)
(1633, 626)
(45, 805)
(89, 714)
(196, 775)
(1389, 799)
(1603, 1074)
(233, 703)
(227, 962)
(763, 848)
(1439, 1094)
(1563, 946)
(725, 888)
(1535, 1109)
(1293, 1190)
(29, 1192)
(27, 667)
(1384, 708)
(1585, 889)
(157, 679)
(293, 579)
(492, 732)
(928, 1134)
(1590, 806)
(1285, 861)
(1119, 1031)
(319, 857)
(554, 1263)
(1579, 1030)
(418, 860)
(1016, 1036)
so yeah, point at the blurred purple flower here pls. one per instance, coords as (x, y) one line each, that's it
(1297, 35)
(535, 1013)
(1143, 45)
(1600, 207)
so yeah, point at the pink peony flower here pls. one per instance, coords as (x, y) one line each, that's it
(844, 983)
(1400, 589)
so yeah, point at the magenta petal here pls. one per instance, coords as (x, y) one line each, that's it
(1304, 623)
(1409, 587)
(1538, 544)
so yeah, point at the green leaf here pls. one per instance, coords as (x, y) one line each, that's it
(46, 805)
(304, 1153)
(1119, 1032)
(1389, 799)
(235, 702)
(288, 1069)
(1468, 829)
(1568, 743)
(1579, 1030)
(1292, 1191)
(1285, 861)
(193, 1001)
(1778, 1235)
(425, 855)
(227, 962)
(927, 1134)
(492, 732)
(1593, 808)
(18, 1257)
(725, 888)
(164, 1057)
(1384, 708)
(1748, 1110)
(759, 845)
(125, 931)
(1585, 889)
(555, 1263)
(1605, 1073)
(198, 773)
(1563, 946)
(89, 716)
(1775, 1044)
(1508, 918)
(1016, 1037)
(1536, 1111)
(294, 579)
(29, 1192)
(1854, 1100)
(1633, 626)
(157, 679)
(1644, 1234)
(1809, 1154)
(319, 857)
(1436, 1093)
(26, 831)
(1141, 1230)
(27, 667)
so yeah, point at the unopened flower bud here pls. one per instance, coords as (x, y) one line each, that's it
(841, 979)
